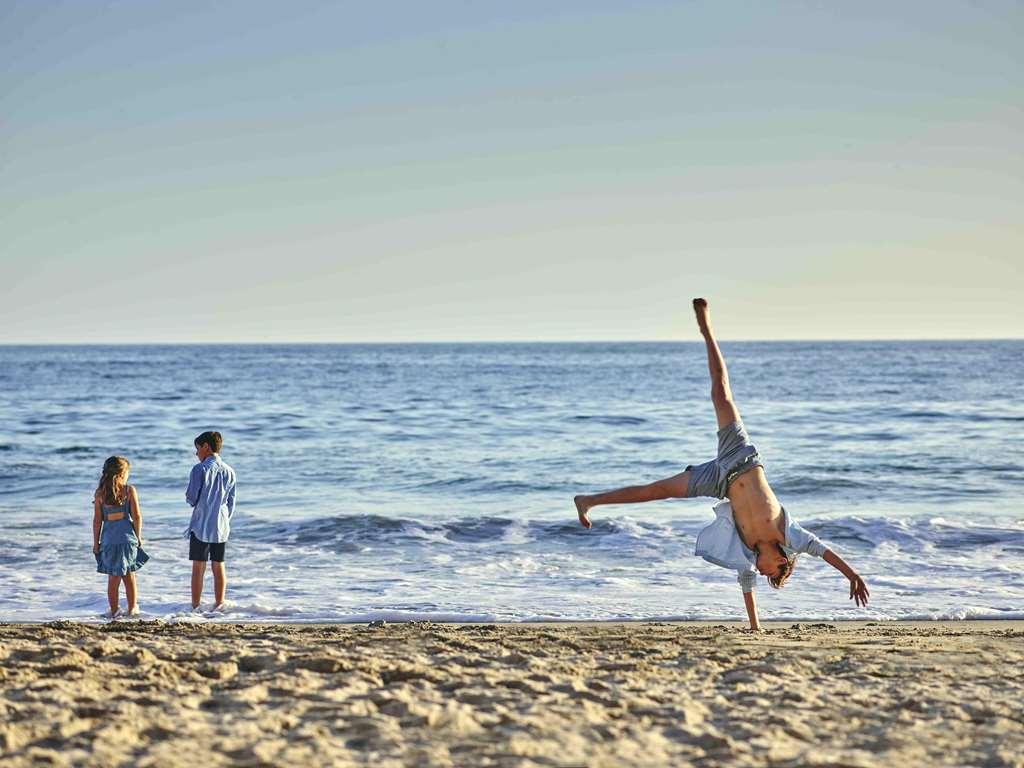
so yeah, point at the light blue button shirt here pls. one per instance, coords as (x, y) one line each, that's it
(211, 494)
(720, 544)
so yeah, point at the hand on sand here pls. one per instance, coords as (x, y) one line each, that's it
(859, 591)
(581, 510)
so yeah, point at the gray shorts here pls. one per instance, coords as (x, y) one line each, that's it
(736, 455)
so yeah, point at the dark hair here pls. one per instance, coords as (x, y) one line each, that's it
(111, 488)
(785, 570)
(212, 439)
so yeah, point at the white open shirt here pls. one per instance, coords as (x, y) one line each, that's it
(720, 544)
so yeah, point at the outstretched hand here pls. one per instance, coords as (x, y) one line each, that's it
(859, 590)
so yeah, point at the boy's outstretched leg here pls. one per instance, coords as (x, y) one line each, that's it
(721, 395)
(220, 582)
(670, 488)
(198, 573)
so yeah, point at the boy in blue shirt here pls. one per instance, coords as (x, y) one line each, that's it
(752, 532)
(211, 494)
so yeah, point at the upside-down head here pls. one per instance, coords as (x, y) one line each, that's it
(775, 564)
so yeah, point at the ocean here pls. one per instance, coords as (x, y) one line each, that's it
(435, 481)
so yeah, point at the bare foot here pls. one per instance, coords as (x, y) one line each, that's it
(700, 308)
(582, 508)
(134, 610)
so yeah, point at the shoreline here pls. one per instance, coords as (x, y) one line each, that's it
(725, 623)
(528, 694)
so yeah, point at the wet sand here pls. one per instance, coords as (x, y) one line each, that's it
(154, 694)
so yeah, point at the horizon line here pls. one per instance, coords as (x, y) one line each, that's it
(493, 341)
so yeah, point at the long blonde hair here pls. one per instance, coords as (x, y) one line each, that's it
(112, 488)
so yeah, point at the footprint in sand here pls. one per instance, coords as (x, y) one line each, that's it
(136, 658)
(321, 664)
(62, 660)
(261, 662)
(158, 733)
(223, 670)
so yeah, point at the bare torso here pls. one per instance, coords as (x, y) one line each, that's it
(755, 509)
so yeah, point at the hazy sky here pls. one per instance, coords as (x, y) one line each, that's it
(298, 171)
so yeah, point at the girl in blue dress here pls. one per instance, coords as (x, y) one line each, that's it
(117, 533)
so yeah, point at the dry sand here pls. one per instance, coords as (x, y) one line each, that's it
(143, 694)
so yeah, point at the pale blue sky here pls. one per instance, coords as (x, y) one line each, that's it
(254, 171)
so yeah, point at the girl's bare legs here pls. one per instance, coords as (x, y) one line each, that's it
(130, 593)
(113, 585)
(670, 488)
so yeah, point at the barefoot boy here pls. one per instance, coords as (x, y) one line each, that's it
(752, 531)
(211, 494)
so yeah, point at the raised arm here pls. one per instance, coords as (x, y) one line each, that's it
(858, 589)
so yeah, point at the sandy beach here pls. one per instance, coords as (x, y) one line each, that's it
(153, 694)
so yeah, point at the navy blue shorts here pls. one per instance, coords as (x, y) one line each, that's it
(205, 550)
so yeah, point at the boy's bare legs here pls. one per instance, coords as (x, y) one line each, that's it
(198, 573)
(220, 582)
(130, 592)
(677, 485)
(113, 585)
(721, 395)
(670, 488)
